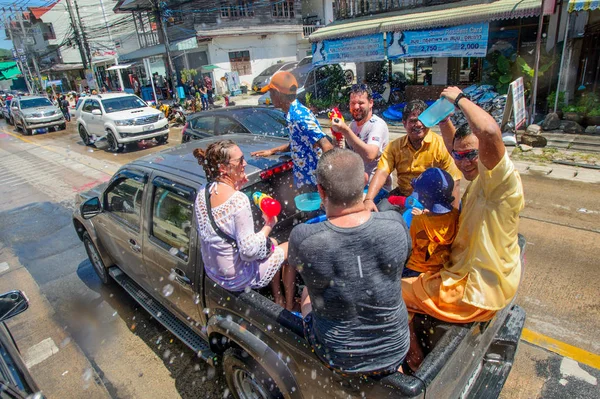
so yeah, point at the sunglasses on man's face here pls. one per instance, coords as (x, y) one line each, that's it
(470, 155)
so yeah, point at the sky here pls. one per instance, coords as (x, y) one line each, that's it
(4, 42)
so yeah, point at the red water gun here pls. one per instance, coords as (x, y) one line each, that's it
(333, 115)
(267, 204)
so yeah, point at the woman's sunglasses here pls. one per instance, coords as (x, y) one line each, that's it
(470, 155)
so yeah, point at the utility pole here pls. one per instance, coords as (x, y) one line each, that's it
(86, 45)
(18, 59)
(171, 67)
(34, 58)
(75, 27)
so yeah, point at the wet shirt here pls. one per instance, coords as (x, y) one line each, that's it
(372, 132)
(432, 236)
(305, 132)
(486, 251)
(360, 322)
(409, 163)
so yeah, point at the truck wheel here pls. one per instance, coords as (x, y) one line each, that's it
(162, 139)
(63, 126)
(95, 259)
(246, 378)
(27, 132)
(113, 144)
(85, 137)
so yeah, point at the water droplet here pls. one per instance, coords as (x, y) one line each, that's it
(90, 150)
(167, 290)
(87, 374)
(313, 374)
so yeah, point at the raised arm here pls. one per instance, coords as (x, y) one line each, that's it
(483, 126)
(366, 151)
(448, 130)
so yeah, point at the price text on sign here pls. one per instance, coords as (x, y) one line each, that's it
(457, 41)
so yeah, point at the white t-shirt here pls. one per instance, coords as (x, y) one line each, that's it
(372, 132)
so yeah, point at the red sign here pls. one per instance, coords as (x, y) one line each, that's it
(548, 7)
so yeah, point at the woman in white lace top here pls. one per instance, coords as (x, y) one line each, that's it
(237, 258)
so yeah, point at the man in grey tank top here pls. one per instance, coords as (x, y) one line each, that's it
(354, 315)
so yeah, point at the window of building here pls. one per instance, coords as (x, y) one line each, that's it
(124, 200)
(240, 62)
(283, 9)
(172, 220)
(237, 9)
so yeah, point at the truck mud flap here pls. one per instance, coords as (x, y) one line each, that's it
(489, 378)
(164, 316)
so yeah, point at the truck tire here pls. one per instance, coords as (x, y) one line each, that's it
(95, 259)
(113, 144)
(162, 139)
(246, 378)
(85, 137)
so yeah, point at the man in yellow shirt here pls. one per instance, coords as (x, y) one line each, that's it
(410, 156)
(484, 270)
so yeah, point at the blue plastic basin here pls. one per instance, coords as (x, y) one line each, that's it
(308, 202)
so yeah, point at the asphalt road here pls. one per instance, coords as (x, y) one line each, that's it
(85, 339)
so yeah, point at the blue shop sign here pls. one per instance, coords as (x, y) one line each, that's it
(455, 41)
(354, 49)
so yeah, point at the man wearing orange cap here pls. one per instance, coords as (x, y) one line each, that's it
(307, 140)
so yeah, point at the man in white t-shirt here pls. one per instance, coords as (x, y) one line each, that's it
(367, 134)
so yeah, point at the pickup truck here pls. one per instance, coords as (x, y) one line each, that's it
(139, 231)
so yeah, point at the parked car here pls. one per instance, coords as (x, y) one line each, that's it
(6, 111)
(121, 118)
(139, 231)
(15, 379)
(264, 77)
(36, 114)
(305, 66)
(313, 83)
(241, 119)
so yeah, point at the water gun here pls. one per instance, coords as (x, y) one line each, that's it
(267, 204)
(410, 203)
(336, 114)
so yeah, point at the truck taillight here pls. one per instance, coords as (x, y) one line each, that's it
(276, 170)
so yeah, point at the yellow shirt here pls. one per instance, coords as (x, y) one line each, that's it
(432, 236)
(409, 163)
(486, 250)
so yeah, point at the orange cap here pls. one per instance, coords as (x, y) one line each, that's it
(282, 81)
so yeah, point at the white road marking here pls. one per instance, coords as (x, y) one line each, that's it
(569, 367)
(40, 352)
(4, 267)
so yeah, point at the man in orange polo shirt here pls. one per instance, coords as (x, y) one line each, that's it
(410, 156)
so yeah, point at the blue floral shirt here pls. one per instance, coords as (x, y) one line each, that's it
(305, 132)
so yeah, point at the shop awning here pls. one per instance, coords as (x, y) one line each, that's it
(144, 53)
(583, 5)
(210, 67)
(9, 70)
(451, 14)
(120, 66)
(180, 45)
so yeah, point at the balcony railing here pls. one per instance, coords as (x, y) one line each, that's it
(356, 8)
(148, 39)
(307, 30)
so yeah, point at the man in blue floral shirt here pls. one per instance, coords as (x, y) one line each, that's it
(307, 140)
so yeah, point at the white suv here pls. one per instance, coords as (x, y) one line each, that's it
(120, 117)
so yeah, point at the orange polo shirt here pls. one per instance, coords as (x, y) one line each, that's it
(409, 163)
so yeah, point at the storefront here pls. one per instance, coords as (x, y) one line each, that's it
(427, 49)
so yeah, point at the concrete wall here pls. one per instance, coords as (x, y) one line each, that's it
(95, 16)
(263, 52)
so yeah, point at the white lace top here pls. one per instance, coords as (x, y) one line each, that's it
(234, 269)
